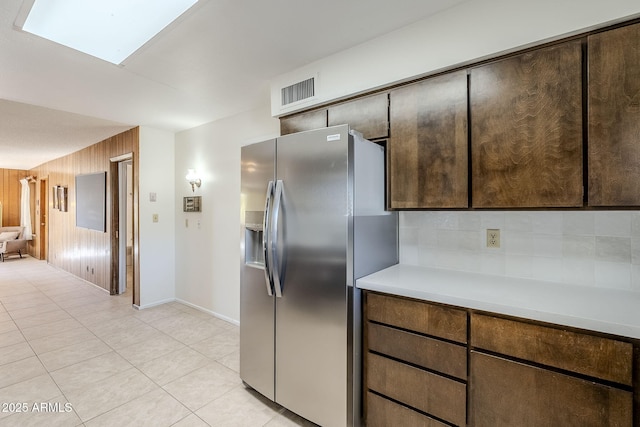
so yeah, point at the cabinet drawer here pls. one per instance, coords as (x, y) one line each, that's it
(369, 116)
(429, 319)
(427, 392)
(441, 356)
(506, 393)
(382, 412)
(598, 357)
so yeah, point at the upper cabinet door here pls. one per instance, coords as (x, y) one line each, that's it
(614, 117)
(369, 116)
(428, 150)
(526, 130)
(305, 121)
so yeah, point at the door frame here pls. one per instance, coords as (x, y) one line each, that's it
(43, 220)
(124, 227)
(115, 225)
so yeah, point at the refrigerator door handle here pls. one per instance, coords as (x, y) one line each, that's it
(277, 276)
(266, 237)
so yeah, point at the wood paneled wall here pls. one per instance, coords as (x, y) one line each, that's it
(10, 190)
(82, 252)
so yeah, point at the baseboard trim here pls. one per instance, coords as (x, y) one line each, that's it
(98, 287)
(154, 304)
(213, 313)
(187, 303)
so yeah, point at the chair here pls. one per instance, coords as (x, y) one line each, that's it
(12, 241)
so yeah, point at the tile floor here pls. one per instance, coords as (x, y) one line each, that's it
(71, 355)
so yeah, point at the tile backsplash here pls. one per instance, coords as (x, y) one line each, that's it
(586, 248)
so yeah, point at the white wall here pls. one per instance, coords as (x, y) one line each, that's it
(208, 255)
(157, 248)
(472, 30)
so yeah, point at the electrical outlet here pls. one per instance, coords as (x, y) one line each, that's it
(493, 238)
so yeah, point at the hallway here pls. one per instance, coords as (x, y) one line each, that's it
(72, 355)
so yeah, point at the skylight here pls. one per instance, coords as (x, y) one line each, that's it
(109, 29)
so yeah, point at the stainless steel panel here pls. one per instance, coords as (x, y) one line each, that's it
(375, 231)
(256, 306)
(312, 315)
(374, 245)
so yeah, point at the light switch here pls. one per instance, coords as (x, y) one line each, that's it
(155, 217)
(152, 197)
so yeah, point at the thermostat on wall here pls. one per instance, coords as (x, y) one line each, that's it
(192, 204)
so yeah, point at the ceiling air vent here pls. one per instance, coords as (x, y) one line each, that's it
(298, 91)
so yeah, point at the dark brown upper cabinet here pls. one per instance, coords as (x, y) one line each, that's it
(526, 129)
(614, 117)
(369, 115)
(305, 121)
(428, 150)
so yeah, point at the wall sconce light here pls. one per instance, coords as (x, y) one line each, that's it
(193, 179)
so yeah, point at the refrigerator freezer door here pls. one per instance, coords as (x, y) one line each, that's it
(312, 314)
(256, 306)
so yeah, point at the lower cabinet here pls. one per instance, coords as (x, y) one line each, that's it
(507, 393)
(415, 363)
(383, 412)
(427, 364)
(420, 389)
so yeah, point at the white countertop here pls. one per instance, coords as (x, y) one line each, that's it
(610, 311)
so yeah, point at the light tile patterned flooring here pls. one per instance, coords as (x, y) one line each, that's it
(65, 342)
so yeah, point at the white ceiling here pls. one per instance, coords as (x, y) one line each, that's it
(214, 61)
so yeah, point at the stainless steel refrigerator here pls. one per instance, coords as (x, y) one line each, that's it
(314, 220)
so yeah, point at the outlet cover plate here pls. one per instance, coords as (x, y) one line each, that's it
(493, 238)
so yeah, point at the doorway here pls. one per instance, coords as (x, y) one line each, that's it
(123, 227)
(43, 219)
(125, 252)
